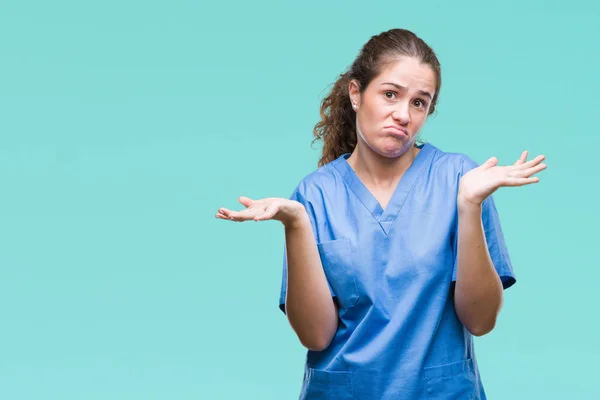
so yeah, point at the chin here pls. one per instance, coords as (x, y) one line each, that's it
(393, 151)
(389, 147)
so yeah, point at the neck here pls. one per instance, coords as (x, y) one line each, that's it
(378, 170)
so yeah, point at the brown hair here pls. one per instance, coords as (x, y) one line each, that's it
(337, 127)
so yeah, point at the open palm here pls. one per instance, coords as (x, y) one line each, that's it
(274, 208)
(480, 182)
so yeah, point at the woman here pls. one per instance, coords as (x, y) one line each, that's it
(394, 256)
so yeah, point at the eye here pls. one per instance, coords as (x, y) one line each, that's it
(420, 103)
(390, 94)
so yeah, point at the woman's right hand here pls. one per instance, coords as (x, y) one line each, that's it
(309, 306)
(280, 209)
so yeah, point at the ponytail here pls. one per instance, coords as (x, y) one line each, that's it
(337, 128)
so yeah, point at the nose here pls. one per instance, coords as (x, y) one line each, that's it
(401, 113)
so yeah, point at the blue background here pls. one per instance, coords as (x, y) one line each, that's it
(126, 124)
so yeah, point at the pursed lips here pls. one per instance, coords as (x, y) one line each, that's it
(396, 129)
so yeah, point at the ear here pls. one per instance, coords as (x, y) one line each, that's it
(354, 92)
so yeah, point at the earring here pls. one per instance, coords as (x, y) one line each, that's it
(354, 106)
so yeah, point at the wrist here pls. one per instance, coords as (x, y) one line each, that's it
(468, 207)
(297, 218)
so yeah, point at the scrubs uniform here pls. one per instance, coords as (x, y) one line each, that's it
(391, 271)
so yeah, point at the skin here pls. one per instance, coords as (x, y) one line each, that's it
(310, 309)
(390, 112)
(478, 293)
(389, 115)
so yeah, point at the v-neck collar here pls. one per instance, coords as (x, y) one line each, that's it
(386, 216)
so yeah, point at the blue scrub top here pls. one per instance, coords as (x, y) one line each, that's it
(391, 271)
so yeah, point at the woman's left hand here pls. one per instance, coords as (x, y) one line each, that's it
(479, 183)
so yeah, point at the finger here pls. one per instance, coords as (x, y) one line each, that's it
(534, 170)
(523, 158)
(222, 216)
(234, 215)
(248, 213)
(244, 215)
(533, 162)
(224, 212)
(531, 171)
(492, 161)
(521, 181)
(245, 201)
(269, 213)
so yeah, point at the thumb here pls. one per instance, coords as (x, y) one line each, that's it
(491, 162)
(245, 201)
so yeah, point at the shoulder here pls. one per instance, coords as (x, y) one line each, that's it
(453, 163)
(314, 185)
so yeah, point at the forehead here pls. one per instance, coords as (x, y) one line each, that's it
(408, 72)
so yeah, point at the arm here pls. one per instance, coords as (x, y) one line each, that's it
(310, 308)
(478, 293)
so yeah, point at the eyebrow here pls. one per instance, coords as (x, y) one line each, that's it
(400, 87)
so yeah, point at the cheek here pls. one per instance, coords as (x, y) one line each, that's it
(370, 120)
(378, 116)
(419, 118)
(372, 112)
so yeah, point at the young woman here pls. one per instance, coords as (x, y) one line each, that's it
(394, 255)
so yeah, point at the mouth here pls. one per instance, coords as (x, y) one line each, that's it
(396, 130)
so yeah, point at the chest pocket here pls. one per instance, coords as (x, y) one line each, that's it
(337, 259)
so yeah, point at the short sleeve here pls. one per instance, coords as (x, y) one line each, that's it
(493, 236)
(297, 196)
